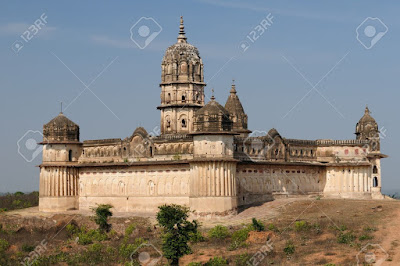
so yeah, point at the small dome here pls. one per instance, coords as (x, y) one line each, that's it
(235, 108)
(366, 126)
(272, 133)
(61, 129)
(213, 117)
(181, 61)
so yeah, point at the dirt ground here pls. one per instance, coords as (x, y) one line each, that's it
(379, 220)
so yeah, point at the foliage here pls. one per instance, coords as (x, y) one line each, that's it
(177, 230)
(3, 245)
(216, 261)
(102, 213)
(365, 237)
(346, 238)
(18, 200)
(239, 237)
(219, 232)
(27, 248)
(196, 237)
(126, 250)
(289, 248)
(300, 226)
(242, 259)
(272, 227)
(258, 225)
(193, 263)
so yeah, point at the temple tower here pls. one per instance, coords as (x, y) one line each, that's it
(182, 86)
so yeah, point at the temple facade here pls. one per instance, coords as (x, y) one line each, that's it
(205, 157)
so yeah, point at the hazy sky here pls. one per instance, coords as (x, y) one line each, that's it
(308, 44)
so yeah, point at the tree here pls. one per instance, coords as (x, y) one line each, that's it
(102, 213)
(177, 231)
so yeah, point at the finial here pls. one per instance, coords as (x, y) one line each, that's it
(366, 109)
(181, 36)
(212, 96)
(61, 109)
(233, 89)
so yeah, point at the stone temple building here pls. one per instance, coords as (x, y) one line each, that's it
(204, 156)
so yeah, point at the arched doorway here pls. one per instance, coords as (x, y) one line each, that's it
(70, 156)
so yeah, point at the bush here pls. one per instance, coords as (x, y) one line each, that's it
(88, 237)
(239, 237)
(216, 261)
(102, 213)
(272, 227)
(289, 248)
(193, 263)
(365, 237)
(219, 232)
(72, 229)
(258, 225)
(242, 259)
(346, 238)
(301, 226)
(27, 248)
(196, 237)
(3, 245)
(126, 250)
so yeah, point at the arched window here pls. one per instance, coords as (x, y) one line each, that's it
(375, 169)
(151, 151)
(70, 155)
(375, 182)
(183, 123)
(183, 98)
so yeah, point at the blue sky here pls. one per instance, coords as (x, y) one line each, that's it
(308, 43)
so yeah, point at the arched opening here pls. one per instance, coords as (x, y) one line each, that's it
(183, 98)
(151, 151)
(375, 169)
(183, 123)
(70, 156)
(375, 182)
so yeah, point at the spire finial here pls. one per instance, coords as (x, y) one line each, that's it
(366, 109)
(233, 89)
(61, 108)
(181, 36)
(212, 96)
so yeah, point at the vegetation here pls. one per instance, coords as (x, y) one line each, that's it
(258, 225)
(102, 213)
(289, 248)
(177, 231)
(219, 232)
(216, 261)
(346, 238)
(18, 200)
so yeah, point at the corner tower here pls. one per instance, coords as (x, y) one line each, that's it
(182, 86)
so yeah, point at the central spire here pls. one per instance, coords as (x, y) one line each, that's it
(182, 37)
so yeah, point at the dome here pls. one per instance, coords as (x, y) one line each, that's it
(61, 129)
(272, 133)
(181, 61)
(213, 117)
(366, 126)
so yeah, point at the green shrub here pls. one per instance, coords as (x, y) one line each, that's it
(3, 245)
(88, 237)
(193, 263)
(3, 210)
(301, 226)
(272, 227)
(72, 229)
(216, 261)
(27, 248)
(219, 232)
(239, 237)
(126, 250)
(346, 238)
(196, 237)
(289, 248)
(365, 237)
(129, 230)
(258, 225)
(102, 213)
(242, 259)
